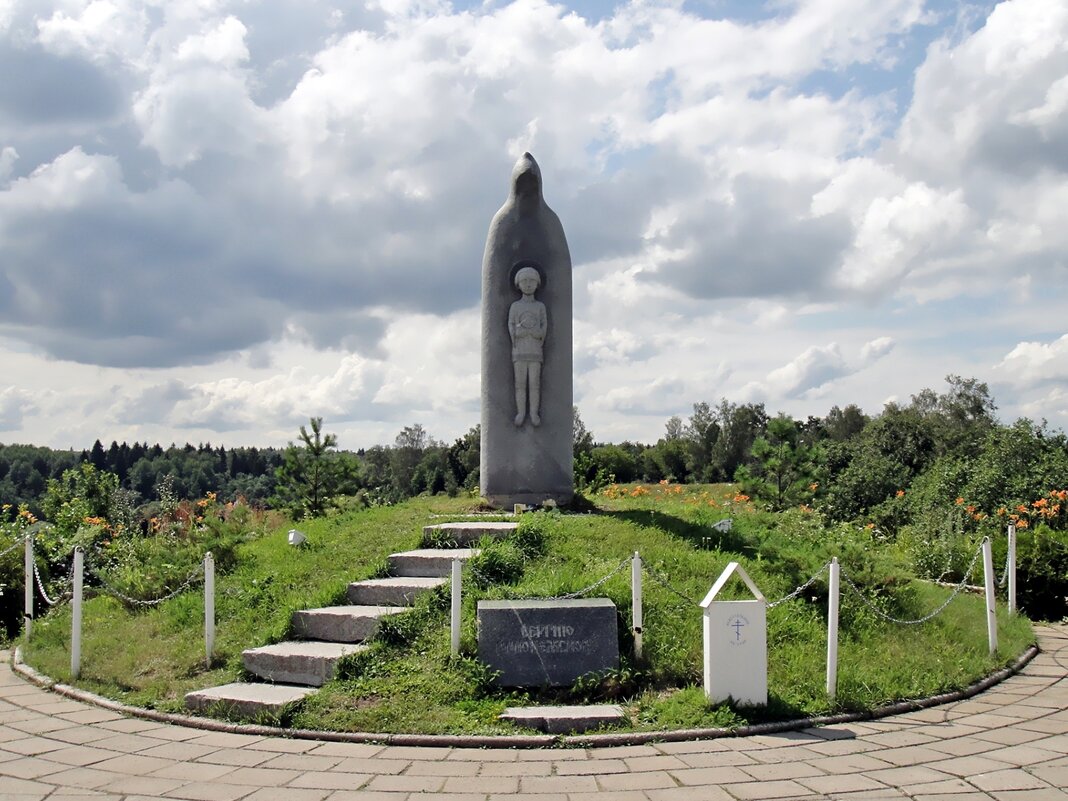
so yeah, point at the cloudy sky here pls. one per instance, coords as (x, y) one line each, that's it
(221, 217)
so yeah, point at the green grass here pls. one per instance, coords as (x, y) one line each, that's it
(408, 681)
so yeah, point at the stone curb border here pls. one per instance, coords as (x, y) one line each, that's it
(521, 740)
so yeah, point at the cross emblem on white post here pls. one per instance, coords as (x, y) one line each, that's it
(735, 643)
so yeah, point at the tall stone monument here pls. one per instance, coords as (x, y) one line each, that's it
(527, 392)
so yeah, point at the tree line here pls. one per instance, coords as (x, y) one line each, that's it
(850, 463)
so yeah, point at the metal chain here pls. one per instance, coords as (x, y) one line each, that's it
(488, 580)
(663, 582)
(956, 591)
(139, 602)
(41, 589)
(1052, 541)
(802, 588)
(1005, 572)
(21, 541)
(625, 563)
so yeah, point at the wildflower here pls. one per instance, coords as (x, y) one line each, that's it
(900, 494)
(1022, 508)
(1002, 511)
(815, 485)
(741, 498)
(869, 526)
(960, 501)
(1022, 524)
(1040, 503)
(970, 509)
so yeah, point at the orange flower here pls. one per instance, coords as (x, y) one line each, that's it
(1022, 508)
(900, 494)
(970, 509)
(1002, 511)
(960, 501)
(1022, 524)
(814, 486)
(741, 498)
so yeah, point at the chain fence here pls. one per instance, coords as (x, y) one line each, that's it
(957, 590)
(663, 582)
(568, 596)
(1005, 573)
(68, 584)
(803, 587)
(114, 591)
(18, 543)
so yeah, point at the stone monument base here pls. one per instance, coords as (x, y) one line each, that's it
(509, 500)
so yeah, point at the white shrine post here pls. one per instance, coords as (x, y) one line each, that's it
(736, 643)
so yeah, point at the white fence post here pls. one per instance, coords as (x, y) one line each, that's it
(832, 631)
(76, 617)
(636, 603)
(454, 626)
(209, 607)
(28, 594)
(991, 615)
(1012, 570)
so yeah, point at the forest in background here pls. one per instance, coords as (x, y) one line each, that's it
(847, 464)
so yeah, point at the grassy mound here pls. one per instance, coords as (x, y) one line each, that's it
(408, 682)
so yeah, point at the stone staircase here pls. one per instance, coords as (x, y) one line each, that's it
(294, 669)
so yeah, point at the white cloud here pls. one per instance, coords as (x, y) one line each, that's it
(1033, 363)
(876, 349)
(227, 184)
(810, 370)
(99, 30)
(14, 404)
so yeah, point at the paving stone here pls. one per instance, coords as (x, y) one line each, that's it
(654, 780)
(407, 784)
(1007, 780)
(207, 791)
(593, 767)
(764, 791)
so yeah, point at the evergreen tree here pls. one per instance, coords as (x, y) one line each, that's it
(309, 477)
(783, 470)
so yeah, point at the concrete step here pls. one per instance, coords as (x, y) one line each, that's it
(432, 562)
(394, 591)
(297, 661)
(341, 623)
(247, 701)
(564, 719)
(466, 534)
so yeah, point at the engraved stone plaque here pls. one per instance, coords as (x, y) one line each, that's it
(538, 643)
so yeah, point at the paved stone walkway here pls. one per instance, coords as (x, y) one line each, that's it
(1008, 743)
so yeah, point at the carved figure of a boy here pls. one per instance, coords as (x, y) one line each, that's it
(527, 324)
